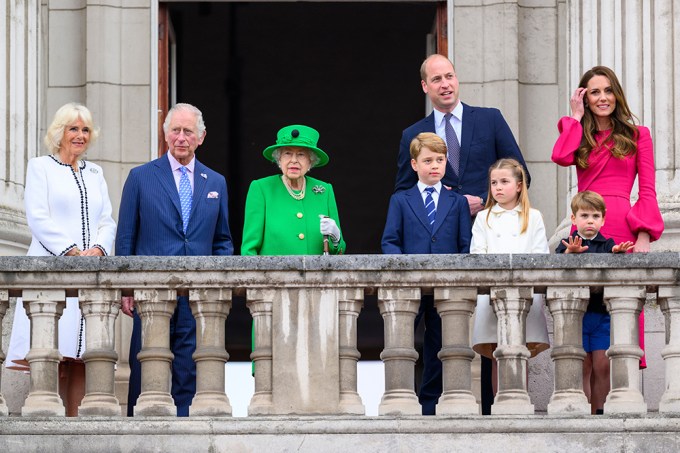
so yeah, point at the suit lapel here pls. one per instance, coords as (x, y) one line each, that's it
(443, 205)
(428, 125)
(467, 132)
(415, 201)
(200, 186)
(167, 180)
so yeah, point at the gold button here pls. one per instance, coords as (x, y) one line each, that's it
(299, 215)
(301, 236)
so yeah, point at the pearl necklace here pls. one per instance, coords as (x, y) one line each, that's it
(297, 196)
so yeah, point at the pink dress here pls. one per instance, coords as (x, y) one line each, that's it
(613, 178)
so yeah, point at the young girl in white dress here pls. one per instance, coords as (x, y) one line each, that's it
(508, 225)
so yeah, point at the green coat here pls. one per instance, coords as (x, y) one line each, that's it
(278, 224)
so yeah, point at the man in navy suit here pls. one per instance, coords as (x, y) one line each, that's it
(482, 133)
(484, 137)
(151, 222)
(428, 218)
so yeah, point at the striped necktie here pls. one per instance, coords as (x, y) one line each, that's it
(185, 196)
(430, 208)
(452, 144)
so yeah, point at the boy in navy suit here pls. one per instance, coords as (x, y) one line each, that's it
(428, 218)
(587, 215)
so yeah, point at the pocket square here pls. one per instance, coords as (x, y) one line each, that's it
(213, 195)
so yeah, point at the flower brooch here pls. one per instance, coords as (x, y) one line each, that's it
(318, 189)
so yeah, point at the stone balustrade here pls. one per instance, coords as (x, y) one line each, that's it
(305, 312)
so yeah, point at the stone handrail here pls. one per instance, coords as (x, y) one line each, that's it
(305, 311)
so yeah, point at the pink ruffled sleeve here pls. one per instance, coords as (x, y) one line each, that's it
(564, 151)
(645, 214)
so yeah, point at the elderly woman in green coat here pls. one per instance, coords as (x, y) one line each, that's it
(291, 213)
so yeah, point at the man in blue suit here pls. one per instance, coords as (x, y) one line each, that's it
(482, 136)
(428, 218)
(175, 206)
(482, 133)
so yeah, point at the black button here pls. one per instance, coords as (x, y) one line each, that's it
(294, 133)
(460, 187)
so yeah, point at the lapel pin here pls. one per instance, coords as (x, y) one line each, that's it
(204, 176)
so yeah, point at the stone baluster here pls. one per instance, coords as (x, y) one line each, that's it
(511, 305)
(669, 301)
(567, 306)
(100, 308)
(350, 303)
(210, 307)
(4, 305)
(455, 306)
(155, 308)
(398, 308)
(624, 305)
(260, 305)
(44, 308)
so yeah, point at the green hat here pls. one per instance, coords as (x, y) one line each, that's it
(297, 135)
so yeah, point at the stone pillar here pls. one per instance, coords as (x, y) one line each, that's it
(155, 307)
(4, 305)
(398, 308)
(260, 304)
(210, 308)
(44, 308)
(624, 305)
(455, 306)
(305, 351)
(350, 303)
(567, 306)
(511, 305)
(100, 308)
(669, 301)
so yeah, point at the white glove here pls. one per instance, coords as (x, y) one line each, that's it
(330, 228)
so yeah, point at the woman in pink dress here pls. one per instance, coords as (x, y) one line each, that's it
(609, 151)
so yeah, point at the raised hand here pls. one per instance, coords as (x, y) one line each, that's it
(623, 247)
(574, 245)
(576, 103)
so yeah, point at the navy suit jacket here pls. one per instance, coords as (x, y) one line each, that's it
(150, 216)
(408, 229)
(486, 137)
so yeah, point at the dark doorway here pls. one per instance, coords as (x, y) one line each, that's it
(350, 70)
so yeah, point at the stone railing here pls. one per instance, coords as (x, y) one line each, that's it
(305, 313)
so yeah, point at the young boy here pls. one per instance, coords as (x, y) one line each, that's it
(588, 211)
(428, 218)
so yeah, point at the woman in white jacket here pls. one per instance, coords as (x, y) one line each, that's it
(69, 213)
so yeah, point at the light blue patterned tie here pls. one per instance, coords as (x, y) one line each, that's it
(185, 197)
(452, 144)
(429, 205)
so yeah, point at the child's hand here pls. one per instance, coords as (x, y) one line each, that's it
(623, 247)
(574, 245)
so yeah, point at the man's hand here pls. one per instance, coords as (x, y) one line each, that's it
(574, 245)
(475, 203)
(622, 247)
(127, 304)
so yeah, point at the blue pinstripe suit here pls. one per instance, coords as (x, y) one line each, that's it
(150, 223)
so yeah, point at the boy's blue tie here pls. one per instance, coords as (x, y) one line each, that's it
(429, 205)
(185, 196)
(452, 144)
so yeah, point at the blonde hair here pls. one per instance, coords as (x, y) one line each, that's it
(622, 141)
(588, 200)
(68, 114)
(520, 175)
(428, 140)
